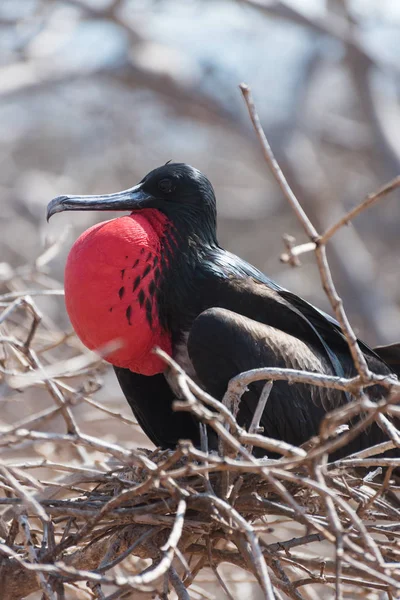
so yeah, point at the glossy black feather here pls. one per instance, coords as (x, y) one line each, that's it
(234, 318)
(202, 276)
(225, 264)
(391, 355)
(222, 344)
(220, 351)
(151, 401)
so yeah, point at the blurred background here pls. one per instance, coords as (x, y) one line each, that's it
(95, 93)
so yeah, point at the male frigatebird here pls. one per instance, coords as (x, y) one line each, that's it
(158, 277)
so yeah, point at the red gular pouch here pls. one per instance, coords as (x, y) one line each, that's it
(110, 281)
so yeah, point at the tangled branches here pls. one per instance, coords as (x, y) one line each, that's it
(189, 508)
(93, 518)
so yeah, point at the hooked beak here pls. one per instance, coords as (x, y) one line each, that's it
(126, 200)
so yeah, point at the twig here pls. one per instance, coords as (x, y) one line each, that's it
(258, 413)
(178, 586)
(354, 212)
(320, 249)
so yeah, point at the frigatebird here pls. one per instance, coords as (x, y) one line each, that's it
(158, 277)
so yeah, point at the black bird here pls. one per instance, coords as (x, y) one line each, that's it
(159, 277)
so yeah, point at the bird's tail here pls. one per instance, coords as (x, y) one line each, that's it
(391, 355)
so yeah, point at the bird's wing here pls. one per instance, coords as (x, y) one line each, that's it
(243, 288)
(391, 355)
(150, 399)
(223, 343)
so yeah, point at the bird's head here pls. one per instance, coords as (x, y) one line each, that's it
(178, 190)
(121, 274)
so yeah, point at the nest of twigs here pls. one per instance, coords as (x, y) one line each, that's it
(175, 510)
(107, 520)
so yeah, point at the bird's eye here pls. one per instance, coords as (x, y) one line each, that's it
(165, 186)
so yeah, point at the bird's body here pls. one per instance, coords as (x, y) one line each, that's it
(159, 278)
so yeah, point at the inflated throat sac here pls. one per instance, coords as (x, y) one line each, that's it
(111, 277)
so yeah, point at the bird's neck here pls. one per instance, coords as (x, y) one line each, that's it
(180, 293)
(131, 279)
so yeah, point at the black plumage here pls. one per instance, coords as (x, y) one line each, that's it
(225, 317)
